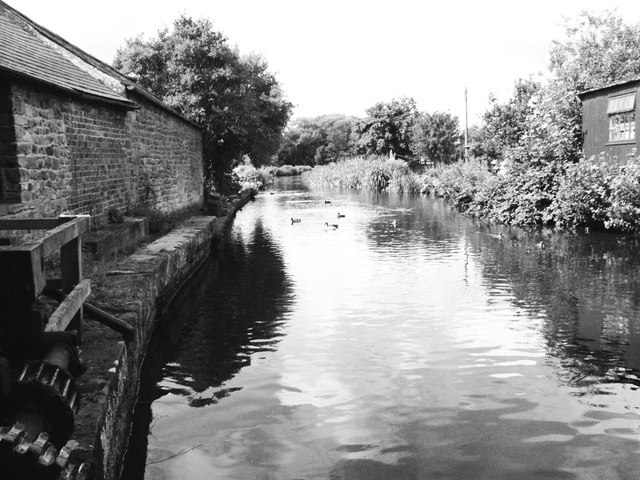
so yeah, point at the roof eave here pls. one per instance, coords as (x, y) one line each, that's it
(620, 83)
(126, 104)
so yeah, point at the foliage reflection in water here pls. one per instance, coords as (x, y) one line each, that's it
(408, 343)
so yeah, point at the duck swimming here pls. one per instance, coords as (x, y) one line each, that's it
(334, 226)
(340, 215)
(296, 220)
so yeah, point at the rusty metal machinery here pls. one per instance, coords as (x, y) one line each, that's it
(39, 359)
(40, 408)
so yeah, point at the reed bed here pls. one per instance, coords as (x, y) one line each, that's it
(365, 172)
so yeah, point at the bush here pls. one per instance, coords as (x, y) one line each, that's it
(623, 212)
(250, 177)
(459, 182)
(584, 195)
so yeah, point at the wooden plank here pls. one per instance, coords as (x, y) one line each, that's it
(62, 234)
(71, 266)
(65, 312)
(29, 223)
(24, 264)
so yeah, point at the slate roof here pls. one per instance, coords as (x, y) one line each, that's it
(24, 52)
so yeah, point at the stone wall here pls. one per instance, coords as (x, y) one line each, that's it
(65, 154)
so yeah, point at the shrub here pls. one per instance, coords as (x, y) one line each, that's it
(584, 195)
(250, 177)
(623, 212)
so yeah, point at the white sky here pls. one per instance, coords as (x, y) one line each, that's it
(343, 56)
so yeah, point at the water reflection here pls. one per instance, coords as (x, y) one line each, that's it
(408, 343)
(210, 331)
(588, 288)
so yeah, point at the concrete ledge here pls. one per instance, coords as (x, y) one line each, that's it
(116, 237)
(134, 289)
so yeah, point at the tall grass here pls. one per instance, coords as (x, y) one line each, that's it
(374, 173)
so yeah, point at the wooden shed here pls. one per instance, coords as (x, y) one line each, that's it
(609, 116)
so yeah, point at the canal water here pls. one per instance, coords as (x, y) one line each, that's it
(409, 342)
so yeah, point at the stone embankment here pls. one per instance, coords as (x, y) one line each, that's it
(136, 289)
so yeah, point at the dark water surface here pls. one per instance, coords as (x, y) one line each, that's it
(431, 350)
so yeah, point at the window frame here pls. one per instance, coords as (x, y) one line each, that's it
(621, 111)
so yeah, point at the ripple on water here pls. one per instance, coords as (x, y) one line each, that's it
(429, 350)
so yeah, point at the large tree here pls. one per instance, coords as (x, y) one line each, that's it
(504, 124)
(235, 99)
(387, 128)
(542, 122)
(436, 137)
(317, 140)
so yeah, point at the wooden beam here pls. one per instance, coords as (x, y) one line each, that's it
(71, 266)
(24, 264)
(69, 307)
(29, 223)
(63, 234)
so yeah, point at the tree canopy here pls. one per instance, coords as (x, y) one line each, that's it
(235, 99)
(436, 137)
(542, 121)
(318, 140)
(387, 128)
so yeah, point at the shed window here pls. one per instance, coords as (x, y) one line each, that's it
(622, 126)
(622, 117)
(622, 103)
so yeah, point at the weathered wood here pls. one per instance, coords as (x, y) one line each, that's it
(68, 308)
(29, 223)
(24, 264)
(71, 266)
(52, 290)
(62, 234)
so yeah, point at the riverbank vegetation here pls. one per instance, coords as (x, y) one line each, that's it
(524, 164)
(531, 145)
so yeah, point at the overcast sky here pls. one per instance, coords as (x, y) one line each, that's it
(343, 56)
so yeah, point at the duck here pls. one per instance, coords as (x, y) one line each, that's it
(331, 225)
(340, 215)
(327, 201)
(296, 220)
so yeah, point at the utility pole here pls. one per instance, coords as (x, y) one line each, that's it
(466, 128)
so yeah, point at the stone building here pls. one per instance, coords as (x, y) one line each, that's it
(609, 116)
(78, 137)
